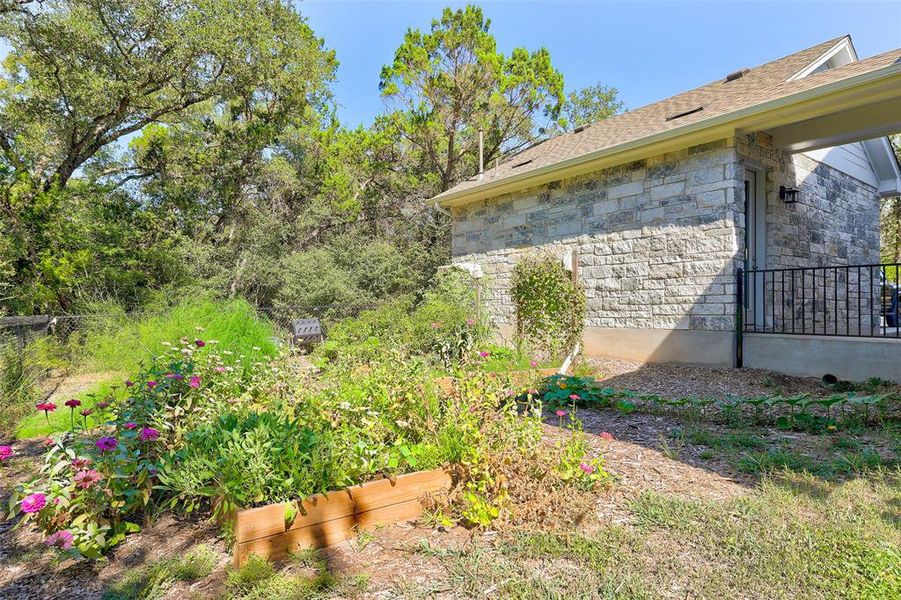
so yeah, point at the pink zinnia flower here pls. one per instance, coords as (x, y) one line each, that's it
(61, 539)
(106, 444)
(220, 369)
(533, 363)
(199, 343)
(85, 412)
(195, 381)
(588, 469)
(575, 397)
(80, 463)
(606, 436)
(470, 322)
(73, 403)
(175, 376)
(102, 405)
(562, 413)
(130, 425)
(5, 452)
(85, 479)
(484, 354)
(149, 434)
(151, 384)
(129, 383)
(33, 503)
(46, 406)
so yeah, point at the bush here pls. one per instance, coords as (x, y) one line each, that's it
(443, 327)
(549, 305)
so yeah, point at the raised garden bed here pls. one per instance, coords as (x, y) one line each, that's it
(275, 530)
(518, 377)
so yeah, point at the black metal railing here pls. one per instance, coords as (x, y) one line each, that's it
(852, 300)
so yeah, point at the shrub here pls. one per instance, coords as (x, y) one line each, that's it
(443, 327)
(549, 305)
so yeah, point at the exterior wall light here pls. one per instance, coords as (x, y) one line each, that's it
(789, 195)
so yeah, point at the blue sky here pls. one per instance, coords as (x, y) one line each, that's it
(648, 50)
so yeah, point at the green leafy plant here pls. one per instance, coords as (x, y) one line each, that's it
(549, 305)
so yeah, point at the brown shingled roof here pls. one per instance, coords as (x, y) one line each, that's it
(756, 86)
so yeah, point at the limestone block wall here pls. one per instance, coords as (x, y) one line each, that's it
(834, 223)
(656, 239)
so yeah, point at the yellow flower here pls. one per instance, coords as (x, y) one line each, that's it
(831, 428)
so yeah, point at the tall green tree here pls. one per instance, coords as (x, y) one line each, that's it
(84, 74)
(447, 83)
(588, 105)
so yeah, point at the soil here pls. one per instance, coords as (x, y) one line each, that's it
(392, 557)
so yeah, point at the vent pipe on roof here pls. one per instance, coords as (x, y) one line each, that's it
(736, 75)
(481, 153)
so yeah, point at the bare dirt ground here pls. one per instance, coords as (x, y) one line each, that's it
(392, 558)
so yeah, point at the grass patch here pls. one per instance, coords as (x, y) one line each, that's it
(257, 579)
(114, 341)
(35, 424)
(153, 580)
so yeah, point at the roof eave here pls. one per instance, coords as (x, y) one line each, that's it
(867, 86)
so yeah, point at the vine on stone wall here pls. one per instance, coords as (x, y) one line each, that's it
(549, 305)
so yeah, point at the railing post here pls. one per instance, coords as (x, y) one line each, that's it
(739, 318)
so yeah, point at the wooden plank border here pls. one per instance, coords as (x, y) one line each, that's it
(446, 384)
(326, 519)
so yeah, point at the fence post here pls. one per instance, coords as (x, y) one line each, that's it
(739, 319)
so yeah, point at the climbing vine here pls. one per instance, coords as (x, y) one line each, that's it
(549, 304)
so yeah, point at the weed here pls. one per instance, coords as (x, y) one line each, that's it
(152, 581)
(762, 462)
(706, 454)
(671, 449)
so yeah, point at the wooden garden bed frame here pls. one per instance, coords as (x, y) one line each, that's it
(326, 519)
(447, 383)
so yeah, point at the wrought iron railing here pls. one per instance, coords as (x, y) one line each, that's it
(853, 300)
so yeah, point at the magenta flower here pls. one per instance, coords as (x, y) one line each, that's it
(199, 343)
(85, 479)
(5, 452)
(61, 539)
(49, 441)
(151, 384)
(46, 406)
(575, 397)
(80, 463)
(33, 503)
(175, 376)
(220, 369)
(102, 405)
(129, 383)
(130, 425)
(588, 469)
(195, 381)
(73, 403)
(106, 444)
(605, 436)
(533, 363)
(562, 413)
(484, 354)
(149, 434)
(85, 412)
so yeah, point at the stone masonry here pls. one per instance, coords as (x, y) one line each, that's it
(660, 240)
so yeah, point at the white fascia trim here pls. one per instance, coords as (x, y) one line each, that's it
(844, 45)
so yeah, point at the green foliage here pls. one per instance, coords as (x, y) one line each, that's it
(590, 104)
(20, 376)
(444, 326)
(114, 340)
(451, 81)
(549, 305)
(151, 581)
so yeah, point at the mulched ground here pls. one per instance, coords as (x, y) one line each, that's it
(393, 559)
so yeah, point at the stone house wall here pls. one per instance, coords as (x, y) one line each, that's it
(660, 240)
(834, 223)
